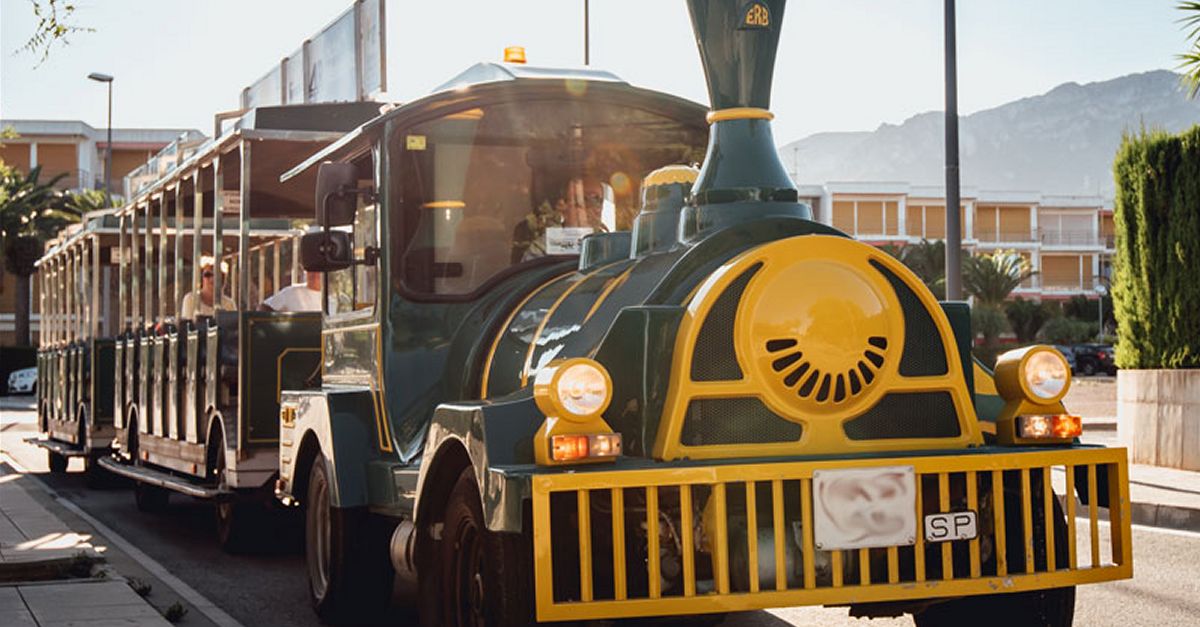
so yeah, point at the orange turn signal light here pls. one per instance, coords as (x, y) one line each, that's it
(584, 447)
(1050, 427)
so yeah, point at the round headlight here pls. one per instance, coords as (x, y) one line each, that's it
(575, 389)
(1045, 374)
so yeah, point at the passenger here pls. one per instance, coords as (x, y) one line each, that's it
(190, 308)
(297, 297)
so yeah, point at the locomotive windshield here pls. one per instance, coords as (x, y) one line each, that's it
(482, 190)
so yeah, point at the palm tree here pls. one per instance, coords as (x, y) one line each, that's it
(991, 278)
(30, 213)
(88, 200)
(1189, 61)
(928, 261)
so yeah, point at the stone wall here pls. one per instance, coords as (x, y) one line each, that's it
(1158, 416)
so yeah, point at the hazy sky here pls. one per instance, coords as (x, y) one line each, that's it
(843, 64)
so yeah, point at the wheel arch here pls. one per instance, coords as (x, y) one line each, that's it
(216, 434)
(306, 456)
(438, 480)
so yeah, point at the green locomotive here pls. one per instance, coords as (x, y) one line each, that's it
(560, 373)
(729, 406)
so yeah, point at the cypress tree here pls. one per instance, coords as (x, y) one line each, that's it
(1156, 285)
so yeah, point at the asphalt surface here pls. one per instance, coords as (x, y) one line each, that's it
(271, 589)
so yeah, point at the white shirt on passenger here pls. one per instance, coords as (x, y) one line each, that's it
(296, 297)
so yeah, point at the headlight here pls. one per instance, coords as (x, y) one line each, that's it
(575, 390)
(1039, 374)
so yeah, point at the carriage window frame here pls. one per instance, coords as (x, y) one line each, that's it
(399, 227)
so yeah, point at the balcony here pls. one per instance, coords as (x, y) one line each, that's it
(1072, 239)
(1006, 237)
(74, 180)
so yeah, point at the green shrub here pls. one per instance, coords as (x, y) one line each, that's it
(1156, 287)
(1063, 330)
(1027, 317)
(988, 321)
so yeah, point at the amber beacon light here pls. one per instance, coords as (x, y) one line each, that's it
(514, 54)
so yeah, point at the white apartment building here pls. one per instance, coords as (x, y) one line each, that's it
(1068, 240)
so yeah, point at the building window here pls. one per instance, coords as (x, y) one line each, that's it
(867, 218)
(1067, 229)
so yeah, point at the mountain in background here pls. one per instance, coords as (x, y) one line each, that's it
(1061, 142)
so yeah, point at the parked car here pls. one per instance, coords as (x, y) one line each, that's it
(23, 381)
(1093, 358)
(1069, 353)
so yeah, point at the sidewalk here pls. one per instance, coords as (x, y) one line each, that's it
(1159, 497)
(52, 576)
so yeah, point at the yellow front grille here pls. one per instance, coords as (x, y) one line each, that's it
(598, 549)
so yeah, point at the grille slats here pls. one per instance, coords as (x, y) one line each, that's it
(1025, 548)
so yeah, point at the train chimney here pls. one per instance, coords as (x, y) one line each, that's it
(742, 177)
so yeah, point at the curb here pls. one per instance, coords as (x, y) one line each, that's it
(1156, 515)
(51, 569)
(1165, 516)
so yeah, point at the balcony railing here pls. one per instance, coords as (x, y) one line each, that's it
(1069, 238)
(1015, 237)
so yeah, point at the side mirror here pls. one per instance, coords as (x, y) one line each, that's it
(337, 194)
(326, 251)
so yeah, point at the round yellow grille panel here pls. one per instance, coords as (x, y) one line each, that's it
(819, 330)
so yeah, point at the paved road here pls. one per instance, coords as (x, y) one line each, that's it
(271, 589)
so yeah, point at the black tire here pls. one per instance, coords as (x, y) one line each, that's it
(350, 575)
(1054, 607)
(1088, 367)
(150, 498)
(1049, 608)
(482, 578)
(94, 476)
(241, 523)
(58, 463)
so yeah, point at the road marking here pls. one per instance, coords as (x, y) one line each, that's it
(197, 600)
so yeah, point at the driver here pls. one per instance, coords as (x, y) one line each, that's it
(581, 205)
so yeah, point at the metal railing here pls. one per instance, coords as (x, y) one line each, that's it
(1069, 238)
(615, 544)
(1016, 237)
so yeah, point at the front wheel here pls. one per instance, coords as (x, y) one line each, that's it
(485, 577)
(349, 573)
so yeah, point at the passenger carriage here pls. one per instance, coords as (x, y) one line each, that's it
(77, 296)
(197, 401)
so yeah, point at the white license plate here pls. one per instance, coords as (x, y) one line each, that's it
(951, 526)
(859, 508)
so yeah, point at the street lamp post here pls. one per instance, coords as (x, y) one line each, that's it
(1101, 290)
(105, 78)
(953, 219)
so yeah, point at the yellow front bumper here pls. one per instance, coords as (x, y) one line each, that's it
(572, 573)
